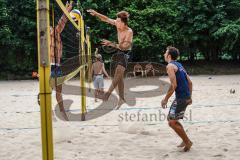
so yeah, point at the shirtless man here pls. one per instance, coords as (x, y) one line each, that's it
(182, 86)
(137, 69)
(56, 55)
(98, 70)
(149, 68)
(125, 36)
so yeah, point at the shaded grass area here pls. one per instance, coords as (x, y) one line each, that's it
(213, 68)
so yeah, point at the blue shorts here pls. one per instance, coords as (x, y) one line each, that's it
(56, 71)
(177, 109)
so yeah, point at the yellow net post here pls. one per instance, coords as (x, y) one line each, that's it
(44, 68)
(82, 71)
(89, 56)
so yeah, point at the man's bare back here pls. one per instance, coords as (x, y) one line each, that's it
(97, 68)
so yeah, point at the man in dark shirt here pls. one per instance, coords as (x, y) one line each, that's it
(182, 86)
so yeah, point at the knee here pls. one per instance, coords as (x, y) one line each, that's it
(58, 96)
(172, 123)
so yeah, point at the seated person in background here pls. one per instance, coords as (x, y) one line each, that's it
(98, 70)
(149, 68)
(137, 70)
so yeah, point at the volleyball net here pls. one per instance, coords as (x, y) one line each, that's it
(69, 48)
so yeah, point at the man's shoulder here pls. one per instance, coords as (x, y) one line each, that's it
(171, 66)
(130, 30)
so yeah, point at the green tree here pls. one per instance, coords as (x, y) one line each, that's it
(5, 33)
(203, 25)
(18, 36)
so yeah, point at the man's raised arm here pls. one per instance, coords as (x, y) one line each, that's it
(63, 20)
(101, 17)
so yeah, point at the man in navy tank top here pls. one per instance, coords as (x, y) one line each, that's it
(182, 86)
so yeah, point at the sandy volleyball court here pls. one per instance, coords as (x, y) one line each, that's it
(138, 131)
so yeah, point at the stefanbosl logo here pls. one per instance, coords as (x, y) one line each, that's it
(131, 95)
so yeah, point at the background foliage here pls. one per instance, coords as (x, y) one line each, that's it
(202, 29)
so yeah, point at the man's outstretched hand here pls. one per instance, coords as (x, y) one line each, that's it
(69, 6)
(92, 12)
(106, 42)
(164, 103)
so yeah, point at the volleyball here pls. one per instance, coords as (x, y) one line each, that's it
(75, 14)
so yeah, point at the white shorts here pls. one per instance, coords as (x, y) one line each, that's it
(98, 81)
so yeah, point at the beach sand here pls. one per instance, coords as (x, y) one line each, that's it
(137, 131)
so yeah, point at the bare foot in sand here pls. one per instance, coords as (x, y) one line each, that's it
(106, 96)
(181, 145)
(187, 146)
(103, 95)
(54, 117)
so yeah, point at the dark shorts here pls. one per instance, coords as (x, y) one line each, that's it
(121, 58)
(56, 71)
(177, 109)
